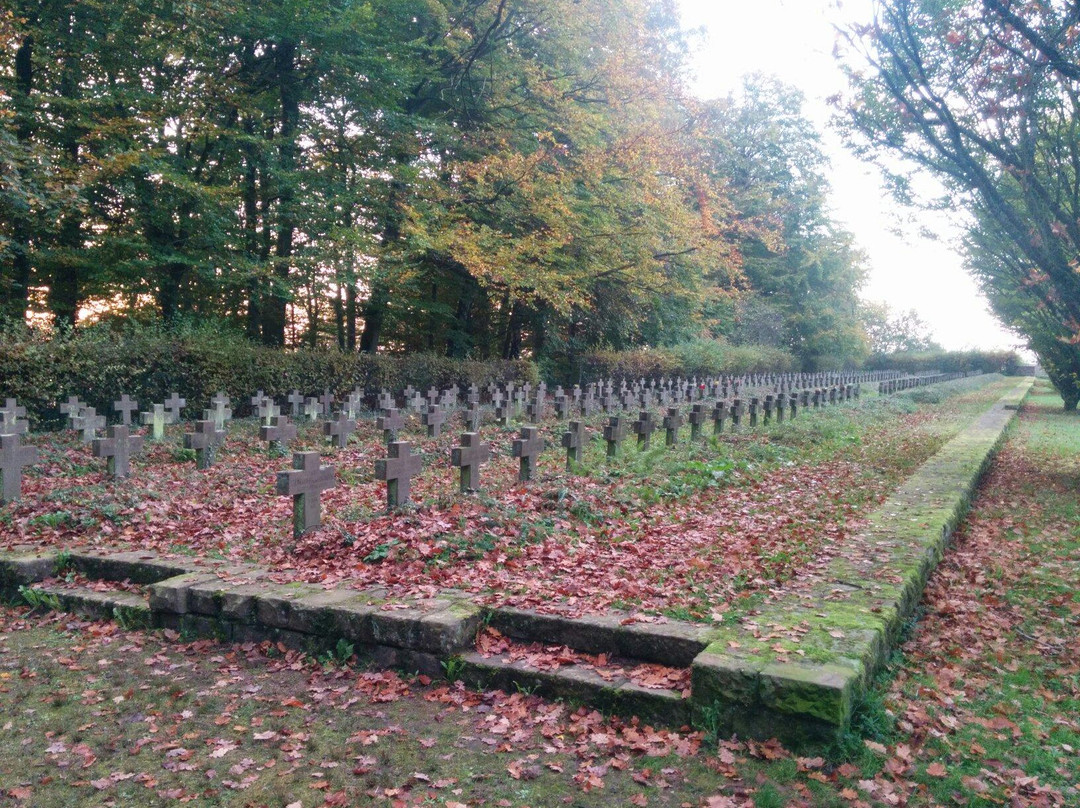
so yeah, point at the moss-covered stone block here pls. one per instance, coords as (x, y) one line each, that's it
(821, 691)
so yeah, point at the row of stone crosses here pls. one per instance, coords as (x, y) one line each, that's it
(786, 395)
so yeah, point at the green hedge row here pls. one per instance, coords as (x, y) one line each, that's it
(1006, 362)
(698, 358)
(97, 364)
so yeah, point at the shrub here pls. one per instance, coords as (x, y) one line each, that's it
(702, 357)
(1006, 362)
(147, 363)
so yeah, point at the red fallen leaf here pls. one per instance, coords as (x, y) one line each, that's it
(640, 800)
(936, 769)
(19, 793)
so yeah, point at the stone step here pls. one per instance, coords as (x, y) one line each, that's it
(128, 608)
(578, 685)
(671, 643)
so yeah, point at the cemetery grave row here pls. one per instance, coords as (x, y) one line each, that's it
(204, 512)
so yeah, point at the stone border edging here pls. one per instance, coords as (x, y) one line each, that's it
(847, 623)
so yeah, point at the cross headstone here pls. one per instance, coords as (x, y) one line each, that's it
(528, 448)
(156, 420)
(339, 430)
(124, 407)
(278, 433)
(267, 411)
(354, 401)
(326, 402)
(296, 402)
(469, 456)
(573, 440)
(173, 405)
(615, 434)
(562, 406)
(10, 424)
(433, 419)
(397, 470)
(71, 408)
(219, 411)
(471, 418)
(390, 422)
(534, 410)
(305, 483)
(417, 402)
(673, 422)
(258, 400)
(736, 413)
(88, 423)
(13, 458)
(118, 448)
(644, 426)
(697, 420)
(205, 441)
(312, 409)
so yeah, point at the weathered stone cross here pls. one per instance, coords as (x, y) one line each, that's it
(278, 433)
(305, 483)
(204, 440)
(673, 421)
(398, 470)
(697, 420)
(528, 447)
(173, 405)
(614, 434)
(433, 420)
(644, 426)
(155, 419)
(124, 407)
(339, 430)
(13, 457)
(219, 412)
(118, 448)
(469, 456)
(573, 440)
(296, 401)
(88, 422)
(390, 422)
(71, 408)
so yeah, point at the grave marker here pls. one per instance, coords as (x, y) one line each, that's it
(305, 484)
(13, 458)
(312, 409)
(156, 420)
(205, 441)
(390, 422)
(573, 440)
(398, 470)
(219, 411)
(644, 426)
(173, 405)
(469, 456)
(673, 422)
(124, 407)
(296, 401)
(279, 433)
(614, 434)
(472, 418)
(433, 419)
(118, 448)
(339, 430)
(528, 447)
(11, 425)
(71, 408)
(326, 403)
(88, 422)
(697, 420)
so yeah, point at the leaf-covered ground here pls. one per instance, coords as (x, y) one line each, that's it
(688, 533)
(982, 708)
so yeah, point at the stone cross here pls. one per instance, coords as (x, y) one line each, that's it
(390, 422)
(793, 401)
(433, 420)
(13, 457)
(353, 402)
(88, 422)
(528, 447)
(326, 402)
(614, 434)
(754, 403)
(267, 411)
(339, 430)
(644, 426)
(471, 417)
(258, 400)
(736, 413)
(11, 425)
(71, 408)
(305, 483)
(118, 448)
(469, 456)
(416, 401)
(278, 433)
(535, 410)
(562, 406)
(312, 409)
(156, 420)
(398, 470)
(573, 440)
(204, 440)
(697, 420)
(173, 405)
(502, 414)
(219, 412)
(296, 401)
(673, 422)
(124, 407)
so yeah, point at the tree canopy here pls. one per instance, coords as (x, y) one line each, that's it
(472, 177)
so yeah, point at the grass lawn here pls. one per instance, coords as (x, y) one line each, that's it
(982, 708)
(689, 533)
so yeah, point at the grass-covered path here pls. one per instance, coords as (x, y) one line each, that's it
(982, 708)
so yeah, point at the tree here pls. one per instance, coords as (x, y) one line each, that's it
(984, 97)
(889, 331)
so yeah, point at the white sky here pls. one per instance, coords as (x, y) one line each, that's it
(793, 40)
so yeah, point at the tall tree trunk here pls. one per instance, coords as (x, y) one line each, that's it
(64, 289)
(350, 316)
(339, 316)
(251, 235)
(374, 317)
(16, 299)
(274, 305)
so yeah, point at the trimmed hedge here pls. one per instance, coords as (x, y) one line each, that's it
(698, 358)
(1006, 362)
(147, 363)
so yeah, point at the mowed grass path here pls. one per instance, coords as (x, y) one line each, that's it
(689, 532)
(981, 709)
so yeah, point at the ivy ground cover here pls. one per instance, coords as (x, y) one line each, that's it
(689, 532)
